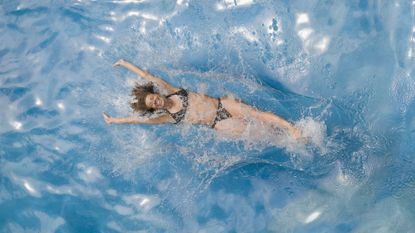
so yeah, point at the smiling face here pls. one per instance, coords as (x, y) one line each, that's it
(155, 101)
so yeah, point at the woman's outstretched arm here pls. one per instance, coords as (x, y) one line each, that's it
(131, 120)
(146, 75)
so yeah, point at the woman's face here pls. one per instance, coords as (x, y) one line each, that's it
(154, 101)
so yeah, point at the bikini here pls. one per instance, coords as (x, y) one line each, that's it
(184, 97)
(221, 112)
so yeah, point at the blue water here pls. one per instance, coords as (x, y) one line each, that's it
(341, 70)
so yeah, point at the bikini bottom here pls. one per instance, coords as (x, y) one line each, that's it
(221, 114)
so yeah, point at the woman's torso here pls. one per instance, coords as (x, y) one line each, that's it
(201, 109)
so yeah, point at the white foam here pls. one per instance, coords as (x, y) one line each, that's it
(245, 33)
(314, 131)
(141, 201)
(29, 187)
(229, 4)
(16, 124)
(38, 102)
(302, 18)
(103, 38)
(312, 217)
(305, 33)
(179, 2)
(48, 223)
(89, 174)
(323, 44)
(123, 210)
(112, 192)
(61, 105)
(127, 1)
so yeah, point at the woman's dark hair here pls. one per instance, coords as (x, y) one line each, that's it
(139, 93)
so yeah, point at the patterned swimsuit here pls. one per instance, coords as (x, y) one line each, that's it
(221, 112)
(184, 97)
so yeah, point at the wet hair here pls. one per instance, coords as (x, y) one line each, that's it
(139, 94)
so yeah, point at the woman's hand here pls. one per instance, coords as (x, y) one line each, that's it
(107, 118)
(120, 62)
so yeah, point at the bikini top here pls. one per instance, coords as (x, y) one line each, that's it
(183, 95)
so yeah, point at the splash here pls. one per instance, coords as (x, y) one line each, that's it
(314, 132)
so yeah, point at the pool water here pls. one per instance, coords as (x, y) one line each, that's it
(342, 71)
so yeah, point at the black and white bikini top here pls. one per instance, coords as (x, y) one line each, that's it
(183, 95)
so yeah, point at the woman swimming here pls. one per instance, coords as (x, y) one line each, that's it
(226, 115)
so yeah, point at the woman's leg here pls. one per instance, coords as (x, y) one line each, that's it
(243, 111)
(233, 127)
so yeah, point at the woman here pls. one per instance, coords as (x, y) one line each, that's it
(226, 115)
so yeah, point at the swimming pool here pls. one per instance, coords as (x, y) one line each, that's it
(343, 70)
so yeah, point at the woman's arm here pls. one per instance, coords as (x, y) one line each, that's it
(131, 120)
(146, 75)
